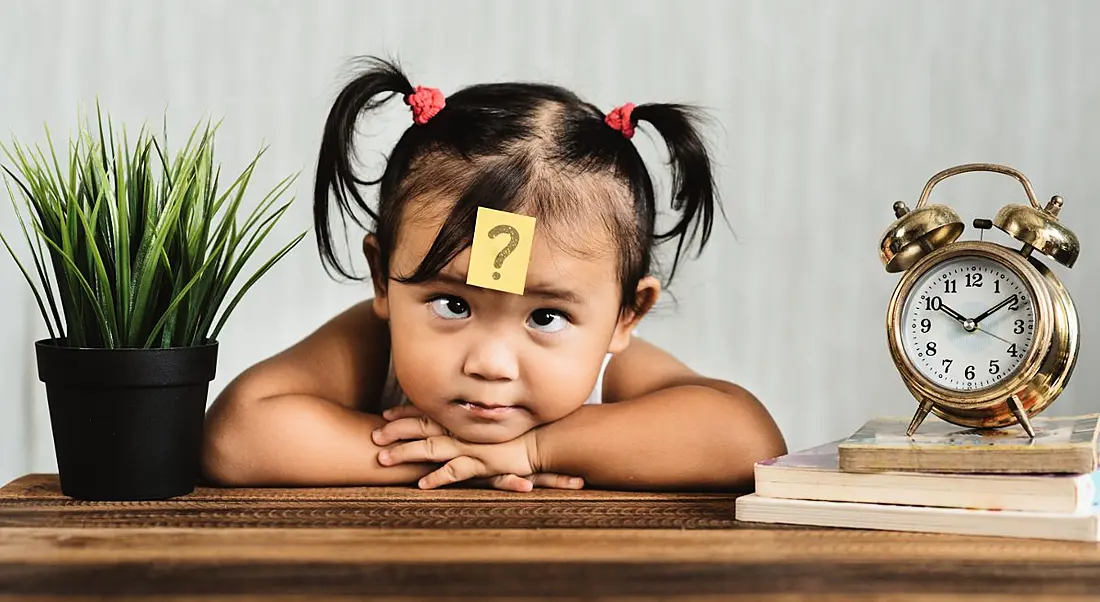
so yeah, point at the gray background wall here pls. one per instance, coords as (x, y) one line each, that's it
(828, 111)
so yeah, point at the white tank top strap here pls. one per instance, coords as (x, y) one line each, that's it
(596, 396)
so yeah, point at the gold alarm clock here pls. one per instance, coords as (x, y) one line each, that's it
(984, 335)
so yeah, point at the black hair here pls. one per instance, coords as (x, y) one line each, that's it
(506, 145)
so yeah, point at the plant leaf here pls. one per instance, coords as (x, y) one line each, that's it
(134, 246)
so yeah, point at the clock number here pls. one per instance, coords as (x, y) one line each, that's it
(973, 280)
(946, 366)
(950, 286)
(932, 304)
(1019, 327)
(969, 372)
(930, 349)
(1012, 350)
(1015, 304)
(993, 367)
(925, 325)
(996, 286)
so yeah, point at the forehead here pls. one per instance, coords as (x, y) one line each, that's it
(572, 253)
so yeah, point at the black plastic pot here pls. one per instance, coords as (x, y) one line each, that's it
(127, 423)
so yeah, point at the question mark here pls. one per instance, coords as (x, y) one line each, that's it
(507, 250)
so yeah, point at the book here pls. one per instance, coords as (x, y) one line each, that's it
(1077, 526)
(814, 474)
(1061, 445)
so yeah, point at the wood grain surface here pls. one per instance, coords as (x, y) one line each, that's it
(36, 501)
(246, 548)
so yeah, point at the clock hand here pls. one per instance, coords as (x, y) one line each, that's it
(992, 335)
(993, 309)
(954, 314)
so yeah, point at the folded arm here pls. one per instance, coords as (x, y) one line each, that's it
(661, 426)
(297, 419)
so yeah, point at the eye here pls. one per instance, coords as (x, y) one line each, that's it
(547, 320)
(449, 307)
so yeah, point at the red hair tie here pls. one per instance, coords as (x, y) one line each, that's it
(425, 103)
(619, 119)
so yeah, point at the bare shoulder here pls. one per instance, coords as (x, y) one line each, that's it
(343, 361)
(644, 368)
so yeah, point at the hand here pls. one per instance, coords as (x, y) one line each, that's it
(993, 309)
(954, 314)
(510, 466)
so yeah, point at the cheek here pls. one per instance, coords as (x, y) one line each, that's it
(420, 358)
(420, 370)
(559, 386)
(561, 380)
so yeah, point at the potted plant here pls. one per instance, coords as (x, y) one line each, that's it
(133, 254)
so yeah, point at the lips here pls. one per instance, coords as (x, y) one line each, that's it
(485, 410)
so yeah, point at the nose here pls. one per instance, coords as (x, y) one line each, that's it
(491, 359)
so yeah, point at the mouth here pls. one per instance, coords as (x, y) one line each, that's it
(487, 411)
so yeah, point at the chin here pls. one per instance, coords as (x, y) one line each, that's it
(486, 433)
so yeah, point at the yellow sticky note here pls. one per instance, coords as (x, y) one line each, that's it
(501, 250)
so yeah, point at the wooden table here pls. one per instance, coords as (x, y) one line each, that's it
(404, 544)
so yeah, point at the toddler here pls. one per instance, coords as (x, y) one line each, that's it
(436, 381)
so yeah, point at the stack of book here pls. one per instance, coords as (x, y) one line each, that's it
(943, 479)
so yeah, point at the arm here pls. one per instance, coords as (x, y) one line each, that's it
(297, 418)
(662, 426)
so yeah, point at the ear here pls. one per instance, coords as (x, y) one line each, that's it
(645, 295)
(373, 254)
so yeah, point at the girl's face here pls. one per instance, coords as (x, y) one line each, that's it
(488, 365)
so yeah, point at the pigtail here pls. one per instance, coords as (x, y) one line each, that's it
(693, 190)
(369, 90)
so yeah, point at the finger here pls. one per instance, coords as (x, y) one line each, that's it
(458, 469)
(556, 481)
(402, 411)
(420, 427)
(432, 449)
(508, 482)
(511, 482)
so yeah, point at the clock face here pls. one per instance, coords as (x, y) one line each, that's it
(967, 323)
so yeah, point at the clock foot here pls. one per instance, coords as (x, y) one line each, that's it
(922, 412)
(1017, 408)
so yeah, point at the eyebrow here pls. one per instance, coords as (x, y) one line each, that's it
(544, 291)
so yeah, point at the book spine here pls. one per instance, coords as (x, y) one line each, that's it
(1060, 500)
(861, 459)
